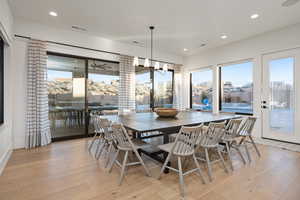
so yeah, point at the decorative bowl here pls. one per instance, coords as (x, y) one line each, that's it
(166, 112)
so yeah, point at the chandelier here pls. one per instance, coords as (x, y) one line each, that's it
(149, 62)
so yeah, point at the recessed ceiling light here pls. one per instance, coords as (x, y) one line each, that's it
(52, 13)
(223, 36)
(185, 49)
(254, 16)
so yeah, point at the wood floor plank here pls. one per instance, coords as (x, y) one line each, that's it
(66, 171)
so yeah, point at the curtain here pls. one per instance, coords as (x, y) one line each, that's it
(38, 129)
(178, 98)
(127, 85)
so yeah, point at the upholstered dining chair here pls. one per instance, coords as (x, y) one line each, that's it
(246, 133)
(184, 146)
(125, 144)
(229, 139)
(210, 141)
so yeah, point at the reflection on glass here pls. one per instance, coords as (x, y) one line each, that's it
(103, 88)
(202, 90)
(103, 85)
(142, 88)
(237, 88)
(163, 89)
(282, 95)
(66, 110)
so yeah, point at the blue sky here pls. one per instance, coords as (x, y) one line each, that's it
(282, 70)
(238, 74)
(202, 76)
(53, 74)
(158, 75)
(241, 74)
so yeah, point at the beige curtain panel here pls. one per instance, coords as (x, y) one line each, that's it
(38, 128)
(127, 85)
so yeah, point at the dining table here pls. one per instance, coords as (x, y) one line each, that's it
(149, 125)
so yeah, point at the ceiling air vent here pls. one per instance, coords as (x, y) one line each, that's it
(288, 3)
(78, 28)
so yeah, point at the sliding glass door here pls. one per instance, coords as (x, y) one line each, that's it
(66, 96)
(102, 88)
(77, 87)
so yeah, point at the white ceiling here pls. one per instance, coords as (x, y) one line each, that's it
(179, 23)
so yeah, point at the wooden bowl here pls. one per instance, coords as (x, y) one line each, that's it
(166, 112)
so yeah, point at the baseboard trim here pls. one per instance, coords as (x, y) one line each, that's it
(4, 159)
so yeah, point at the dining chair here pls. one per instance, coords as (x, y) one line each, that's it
(246, 133)
(98, 133)
(210, 141)
(229, 139)
(108, 143)
(125, 144)
(184, 146)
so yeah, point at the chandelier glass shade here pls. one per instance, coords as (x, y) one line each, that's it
(149, 62)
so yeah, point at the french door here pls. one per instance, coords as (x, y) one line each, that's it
(280, 96)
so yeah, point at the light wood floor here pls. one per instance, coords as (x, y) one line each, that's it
(66, 171)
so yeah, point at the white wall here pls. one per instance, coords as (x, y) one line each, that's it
(6, 139)
(254, 47)
(43, 32)
(19, 64)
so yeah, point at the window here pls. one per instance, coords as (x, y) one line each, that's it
(143, 88)
(163, 89)
(236, 88)
(162, 85)
(201, 90)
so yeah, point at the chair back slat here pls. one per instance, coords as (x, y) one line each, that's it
(105, 125)
(233, 126)
(247, 126)
(96, 122)
(186, 140)
(120, 135)
(214, 133)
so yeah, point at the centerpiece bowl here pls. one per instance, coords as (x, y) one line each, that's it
(166, 112)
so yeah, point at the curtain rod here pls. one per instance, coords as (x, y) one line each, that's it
(97, 50)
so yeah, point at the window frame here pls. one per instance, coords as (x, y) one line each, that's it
(191, 85)
(219, 67)
(2, 58)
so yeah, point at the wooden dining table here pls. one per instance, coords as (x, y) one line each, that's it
(141, 123)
